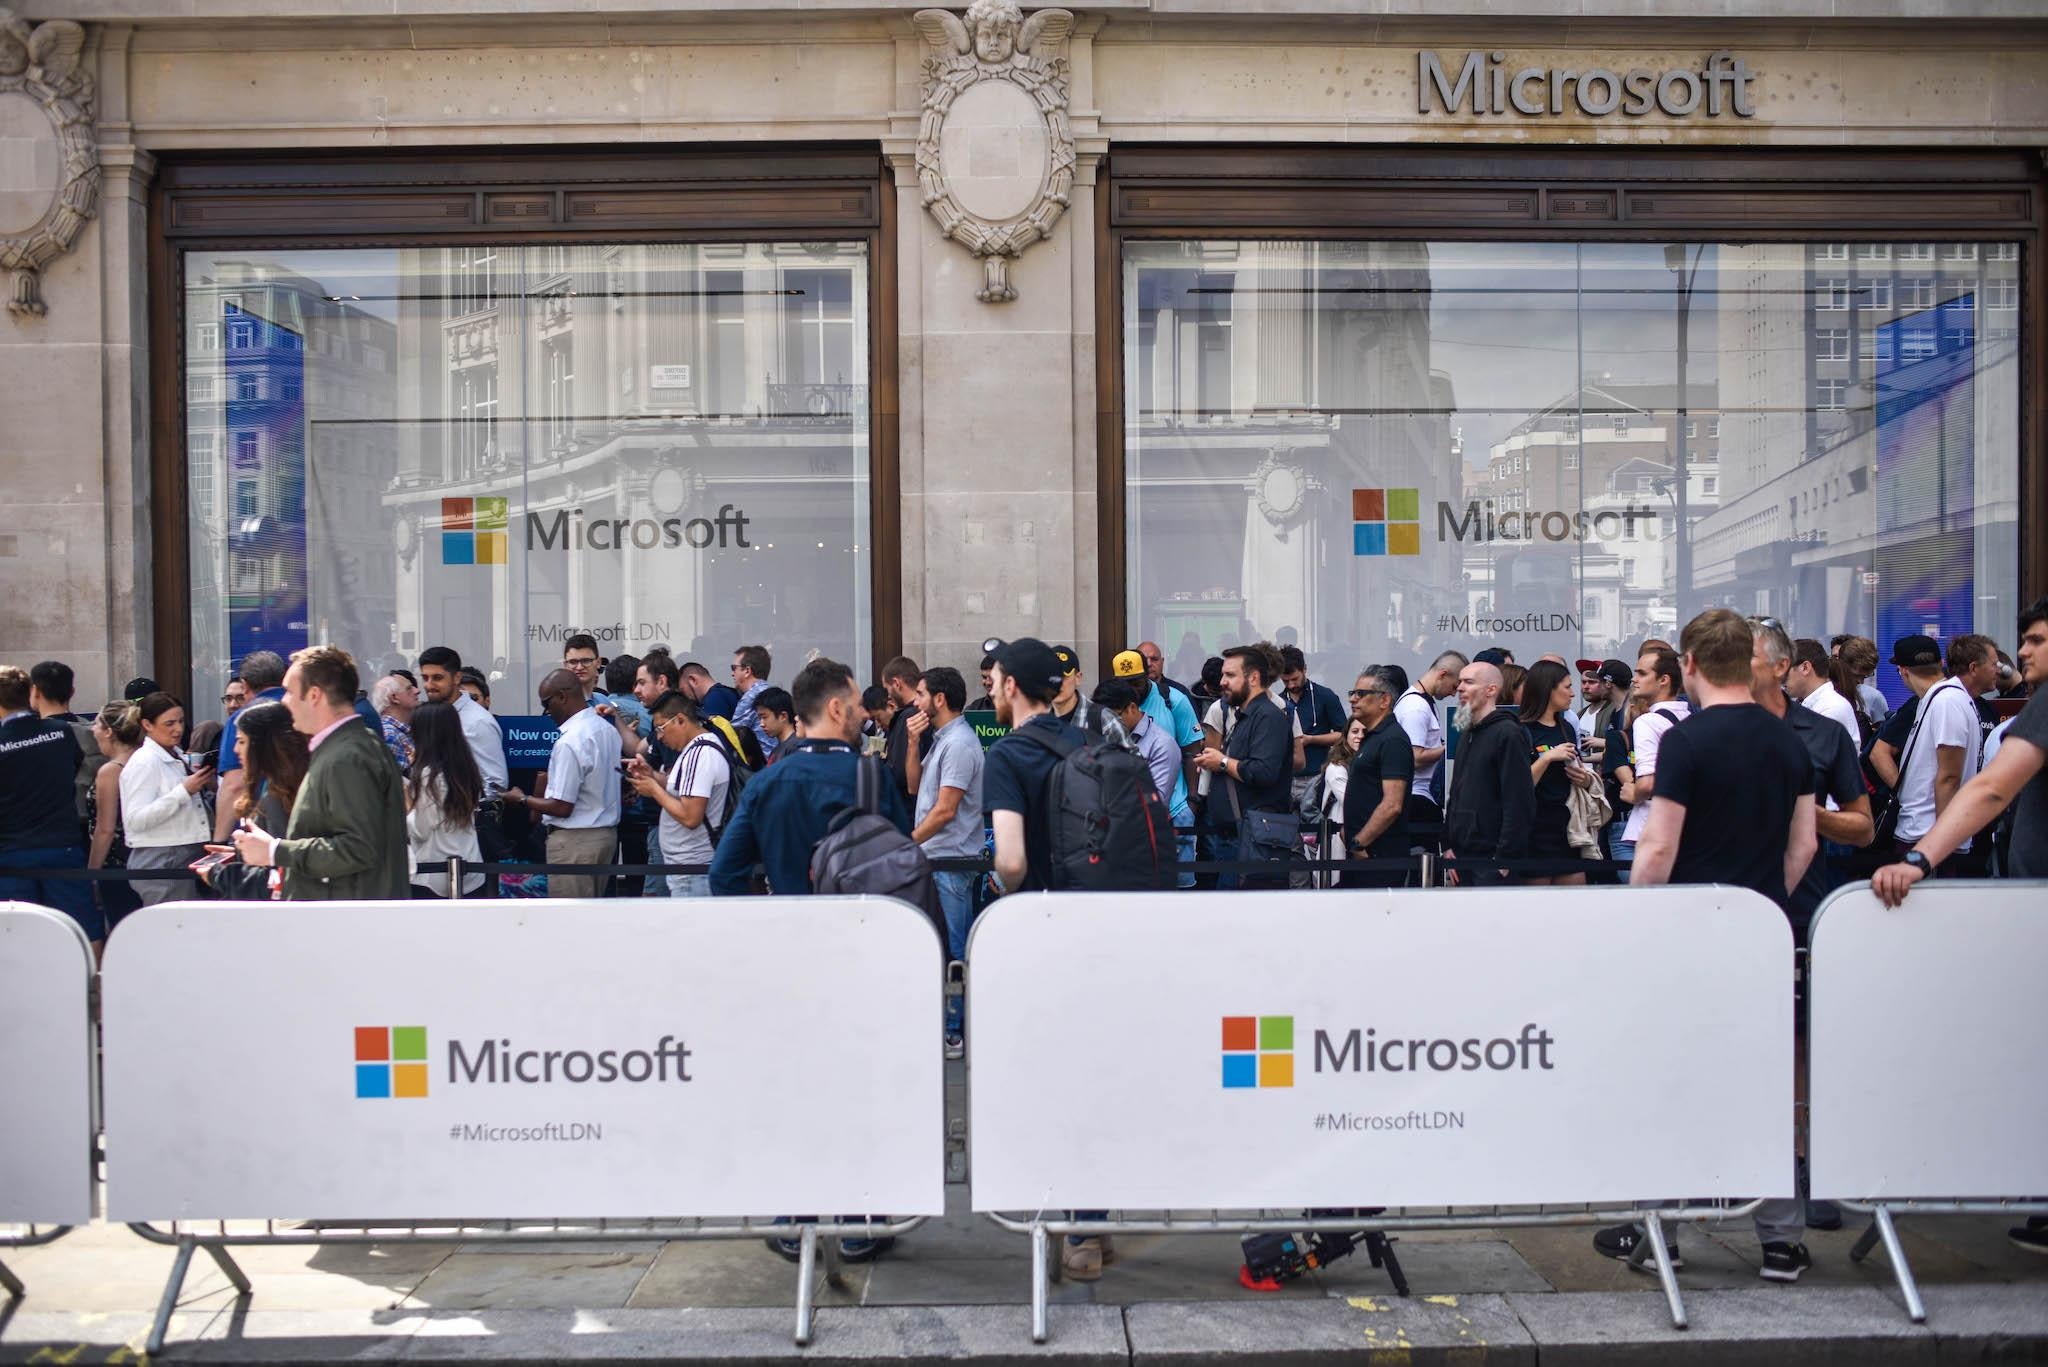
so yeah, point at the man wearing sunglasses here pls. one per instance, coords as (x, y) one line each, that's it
(1376, 791)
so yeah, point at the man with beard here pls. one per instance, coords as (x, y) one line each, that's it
(1255, 762)
(1492, 805)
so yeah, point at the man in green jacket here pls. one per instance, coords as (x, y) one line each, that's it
(346, 840)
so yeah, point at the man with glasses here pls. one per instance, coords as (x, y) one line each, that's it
(693, 795)
(581, 807)
(236, 697)
(580, 658)
(750, 668)
(1376, 791)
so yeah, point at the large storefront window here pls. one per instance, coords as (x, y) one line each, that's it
(495, 447)
(1377, 449)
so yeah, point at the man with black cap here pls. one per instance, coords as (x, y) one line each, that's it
(1604, 685)
(1073, 706)
(1016, 775)
(1939, 753)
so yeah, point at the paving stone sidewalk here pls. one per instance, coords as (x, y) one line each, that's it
(957, 1290)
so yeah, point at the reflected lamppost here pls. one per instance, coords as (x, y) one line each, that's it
(1675, 262)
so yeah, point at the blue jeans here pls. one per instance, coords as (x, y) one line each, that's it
(1184, 851)
(686, 884)
(73, 897)
(1621, 851)
(956, 899)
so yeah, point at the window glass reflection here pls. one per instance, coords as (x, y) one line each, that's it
(493, 447)
(1375, 449)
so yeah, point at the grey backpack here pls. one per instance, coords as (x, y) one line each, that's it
(862, 851)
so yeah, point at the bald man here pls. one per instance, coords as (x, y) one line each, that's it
(1492, 802)
(581, 808)
(1155, 670)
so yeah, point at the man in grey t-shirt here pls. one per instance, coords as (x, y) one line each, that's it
(948, 822)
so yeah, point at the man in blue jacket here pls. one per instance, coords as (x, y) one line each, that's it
(788, 805)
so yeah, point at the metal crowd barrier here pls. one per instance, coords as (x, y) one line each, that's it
(1655, 1250)
(26, 1236)
(217, 1236)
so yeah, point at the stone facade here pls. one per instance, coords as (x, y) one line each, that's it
(998, 399)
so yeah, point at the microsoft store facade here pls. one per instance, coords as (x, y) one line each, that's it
(876, 328)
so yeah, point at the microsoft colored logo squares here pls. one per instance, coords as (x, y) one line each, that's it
(473, 531)
(391, 1061)
(1386, 522)
(1258, 1051)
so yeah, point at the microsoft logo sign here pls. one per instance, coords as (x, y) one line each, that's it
(391, 1061)
(473, 531)
(1258, 1051)
(1386, 522)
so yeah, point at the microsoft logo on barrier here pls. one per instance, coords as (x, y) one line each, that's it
(1386, 522)
(473, 531)
(1258, 1051)
(391, 1061)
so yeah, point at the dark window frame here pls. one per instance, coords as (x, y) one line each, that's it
(557, 196)
(1574, 194)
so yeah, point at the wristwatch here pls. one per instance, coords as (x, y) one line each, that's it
(1919, 861)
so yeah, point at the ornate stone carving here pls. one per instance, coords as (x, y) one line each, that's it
(998, 178)
(44, 64)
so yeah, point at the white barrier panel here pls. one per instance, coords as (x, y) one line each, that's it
(45, 1068)
(1287, 1049)
(1926, 1040)
(656, 1058)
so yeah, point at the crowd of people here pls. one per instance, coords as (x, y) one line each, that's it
(1738, 755)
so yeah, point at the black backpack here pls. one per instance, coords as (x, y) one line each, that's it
(863, 852)
(1110, 829)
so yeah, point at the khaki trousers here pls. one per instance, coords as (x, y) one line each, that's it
(595, 845)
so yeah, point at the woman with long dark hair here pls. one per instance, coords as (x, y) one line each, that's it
(1545, 708)
(274, 757)
(161, 811)
(441, 797)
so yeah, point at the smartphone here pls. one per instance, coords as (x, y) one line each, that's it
(206, 863)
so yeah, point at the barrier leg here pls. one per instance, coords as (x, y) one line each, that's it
(1041, 1255)
(1662, 1253)
(806, 1271)
(180, 1265)
(229, 1268)
(1882, 1223)
(835, 1268)
(12, 1284)
(1864, 1243)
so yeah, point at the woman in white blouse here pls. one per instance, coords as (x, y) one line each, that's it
(441, 796)
(162, 813)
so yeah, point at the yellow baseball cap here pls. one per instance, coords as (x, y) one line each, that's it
(1128, 664)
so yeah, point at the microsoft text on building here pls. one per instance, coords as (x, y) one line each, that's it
(1478, 521)
(1486, 85)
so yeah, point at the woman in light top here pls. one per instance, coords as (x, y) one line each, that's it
(162, 813)
(441, 797)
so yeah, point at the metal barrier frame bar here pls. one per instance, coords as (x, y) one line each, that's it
(35, 1237)
(1883, 1227)
(1044, 1260)
(186, 1239)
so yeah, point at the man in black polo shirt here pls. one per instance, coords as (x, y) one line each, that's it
(39, 829)
(1254, 764)
(1733, 804)
(1376, 789)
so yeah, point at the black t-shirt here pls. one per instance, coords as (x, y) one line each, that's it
(2028, 857)
(1899, 725)
(1612, 759)
(38, 784)
(1738, 771)
(897, 753)
(1836, 776)
(1017, 777)
(1385, 755)
(1553, 790)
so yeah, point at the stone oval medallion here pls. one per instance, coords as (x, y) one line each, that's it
(31, 163)
(995, 150)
